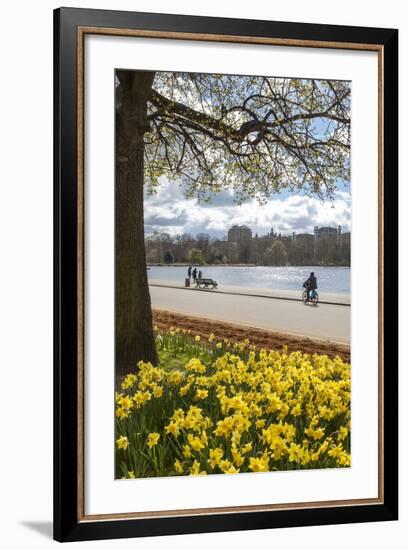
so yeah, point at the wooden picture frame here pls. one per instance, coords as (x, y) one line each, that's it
(70, 28)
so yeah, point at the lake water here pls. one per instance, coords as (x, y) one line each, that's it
(329, 279)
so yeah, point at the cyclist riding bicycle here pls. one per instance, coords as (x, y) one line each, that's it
(310, 284)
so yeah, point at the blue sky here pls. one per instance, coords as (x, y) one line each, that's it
(169, 211)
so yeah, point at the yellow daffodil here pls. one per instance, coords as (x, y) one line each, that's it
(258, 409)
(195, 469)
(195, 442)
(158, 391)
(122, 442)
(153, 439)
(259, 464)
(201, 394)
(186, 451)
(215, 457)
(173, 428)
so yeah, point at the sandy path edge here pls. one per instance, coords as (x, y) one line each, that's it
(260, 337)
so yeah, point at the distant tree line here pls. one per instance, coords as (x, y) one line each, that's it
(274, 250)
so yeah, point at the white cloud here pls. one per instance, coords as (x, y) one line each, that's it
(171, 212)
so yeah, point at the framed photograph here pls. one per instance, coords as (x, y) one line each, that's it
(225, 274)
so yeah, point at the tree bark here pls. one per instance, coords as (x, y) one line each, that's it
(134, 338)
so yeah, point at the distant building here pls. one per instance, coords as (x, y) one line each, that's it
(334, 232)
(238, 233)
(324, 231)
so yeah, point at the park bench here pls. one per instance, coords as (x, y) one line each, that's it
(206, 283)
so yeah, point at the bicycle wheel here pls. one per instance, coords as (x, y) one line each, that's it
(304, 296)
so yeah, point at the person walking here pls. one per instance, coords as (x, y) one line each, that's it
(200, 274)
(310, 284)
(189, 270)
(194, 272)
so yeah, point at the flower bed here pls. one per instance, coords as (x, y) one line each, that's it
(213, 407)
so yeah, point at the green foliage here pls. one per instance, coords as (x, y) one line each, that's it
(168, 257)
(196, 256)
(256, 135)
(276, 254)
(268, 249)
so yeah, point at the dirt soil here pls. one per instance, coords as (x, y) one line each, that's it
(260, 337)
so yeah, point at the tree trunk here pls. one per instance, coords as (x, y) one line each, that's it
(134, 339)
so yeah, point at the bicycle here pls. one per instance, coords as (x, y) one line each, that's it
(313, 298)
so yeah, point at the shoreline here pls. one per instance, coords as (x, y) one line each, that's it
(317, 266)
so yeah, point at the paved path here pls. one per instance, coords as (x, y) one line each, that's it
(325, 321)
(324, 297)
